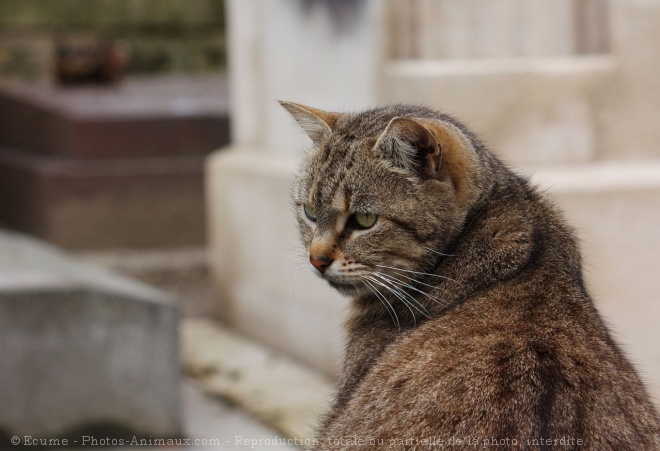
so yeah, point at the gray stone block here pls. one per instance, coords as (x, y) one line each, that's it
(83, 349)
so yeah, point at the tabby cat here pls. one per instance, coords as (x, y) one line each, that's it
(470, 324)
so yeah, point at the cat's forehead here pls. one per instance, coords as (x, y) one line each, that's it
(340, 165)
(348, 179)
(347, 165)
(356, 127)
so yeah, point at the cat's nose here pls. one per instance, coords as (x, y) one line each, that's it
(320, 263)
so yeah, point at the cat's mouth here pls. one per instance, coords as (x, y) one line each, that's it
(347, 289)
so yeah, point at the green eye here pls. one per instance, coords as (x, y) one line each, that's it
(310, 212)
(366, 220)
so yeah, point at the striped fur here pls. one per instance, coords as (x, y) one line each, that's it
(469, 320)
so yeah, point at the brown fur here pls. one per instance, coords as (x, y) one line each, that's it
(470, 322)
(460, 165)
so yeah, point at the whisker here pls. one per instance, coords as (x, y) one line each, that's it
(395, 294)
(420, 273)
(438, 301)
(301, 268)
(439, 253)
(412, 279)
(355, 285)
(390, 309)
(287, 238)
(398, 289)
(385, 303)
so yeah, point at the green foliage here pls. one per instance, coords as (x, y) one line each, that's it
(159, 35)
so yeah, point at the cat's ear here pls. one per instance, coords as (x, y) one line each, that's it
(411, 146)
(316, 123)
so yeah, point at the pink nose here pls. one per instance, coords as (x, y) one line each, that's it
(320, 263)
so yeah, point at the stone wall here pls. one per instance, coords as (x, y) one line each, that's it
(159, 35)
(459, 29)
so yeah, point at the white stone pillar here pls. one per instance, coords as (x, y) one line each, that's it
(629, 118)
(317, 52)
(327, 54)
(460, 29)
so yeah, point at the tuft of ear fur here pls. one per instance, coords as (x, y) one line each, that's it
(412, 146)
(317, 124)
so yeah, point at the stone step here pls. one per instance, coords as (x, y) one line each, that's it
(276, 299)
(141, 117)
(282, 393)
(101, 204)
(83, 349)
(110, 167)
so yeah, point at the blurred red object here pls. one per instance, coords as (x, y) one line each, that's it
(85, 60)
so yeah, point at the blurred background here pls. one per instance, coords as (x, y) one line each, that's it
(151, 280)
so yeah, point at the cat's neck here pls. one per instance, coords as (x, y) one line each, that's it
(499, 240)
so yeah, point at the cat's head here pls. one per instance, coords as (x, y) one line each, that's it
(382, 193)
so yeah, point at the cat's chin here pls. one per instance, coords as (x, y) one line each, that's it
(346, 289)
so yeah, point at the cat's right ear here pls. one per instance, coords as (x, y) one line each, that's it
(410, 145)
(317, 124)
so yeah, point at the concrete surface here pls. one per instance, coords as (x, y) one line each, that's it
(209, 424)
(447, 29)
(284, 394)
(532, 111)
(212, 424)
(83, 349)
(181, 272)
(236, 390)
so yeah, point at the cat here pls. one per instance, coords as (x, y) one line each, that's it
(470, 325)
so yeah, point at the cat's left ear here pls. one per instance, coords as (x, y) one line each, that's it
(317, 124)
(411, 146)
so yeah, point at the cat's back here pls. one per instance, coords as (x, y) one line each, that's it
(491, 372)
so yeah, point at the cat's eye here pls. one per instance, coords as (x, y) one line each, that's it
(365, 220)
(310, 212)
